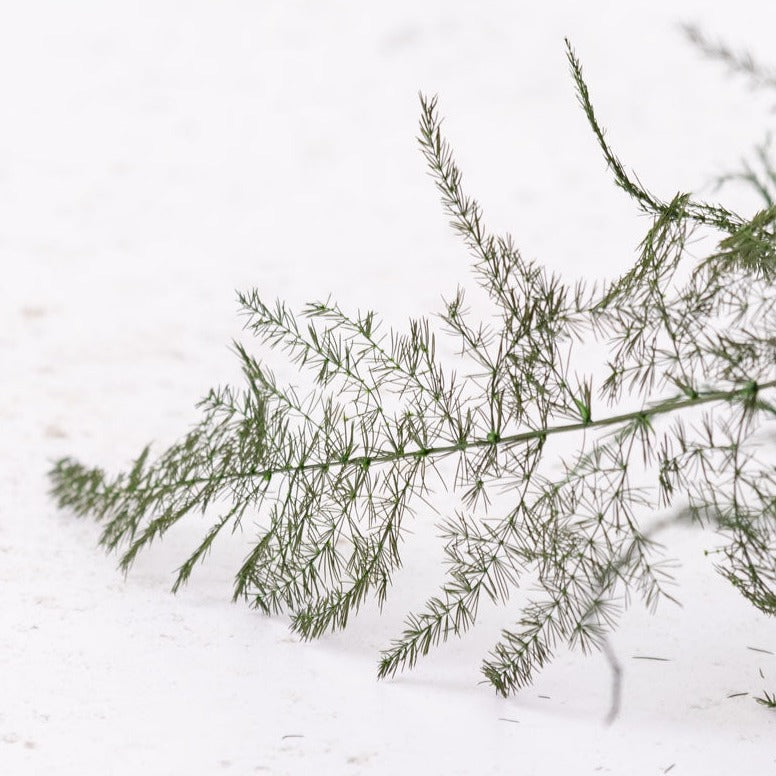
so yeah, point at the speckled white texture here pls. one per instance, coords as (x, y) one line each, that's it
(155, 156)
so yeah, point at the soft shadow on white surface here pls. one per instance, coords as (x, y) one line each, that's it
(156, 156)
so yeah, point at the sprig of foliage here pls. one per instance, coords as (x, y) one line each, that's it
(760, 176)
(336, 472)
(738, 62)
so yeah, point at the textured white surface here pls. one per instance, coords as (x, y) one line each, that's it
(154, 156)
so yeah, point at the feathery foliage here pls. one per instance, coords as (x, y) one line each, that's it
(676, 422)
(737, 62)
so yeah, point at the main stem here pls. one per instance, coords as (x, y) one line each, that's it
(665, 407)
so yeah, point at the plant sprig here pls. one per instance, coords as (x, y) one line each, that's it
(675, 423)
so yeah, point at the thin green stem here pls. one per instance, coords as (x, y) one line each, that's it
(663, 408)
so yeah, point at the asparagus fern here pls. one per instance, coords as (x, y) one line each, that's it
(676, 422)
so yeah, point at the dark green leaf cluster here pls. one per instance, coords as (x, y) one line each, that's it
(675, 421)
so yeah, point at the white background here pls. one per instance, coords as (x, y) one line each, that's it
(156, 156)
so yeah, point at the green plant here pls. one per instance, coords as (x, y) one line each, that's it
(677, 421)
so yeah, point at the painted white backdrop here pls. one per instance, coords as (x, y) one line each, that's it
(156, 156)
